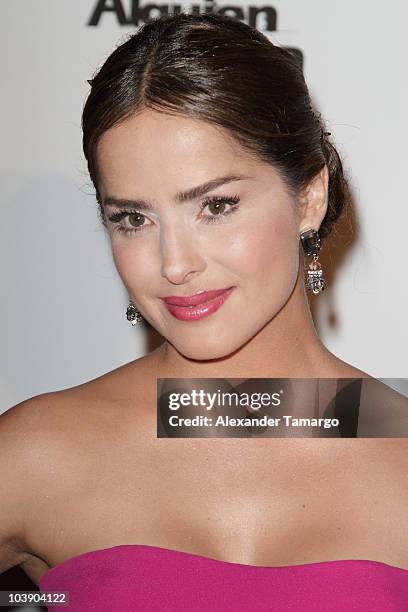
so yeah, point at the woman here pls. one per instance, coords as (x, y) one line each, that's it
(212, 173)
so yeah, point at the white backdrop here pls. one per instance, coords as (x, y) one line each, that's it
(63, 304)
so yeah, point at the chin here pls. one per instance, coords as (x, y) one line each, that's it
(206, 350)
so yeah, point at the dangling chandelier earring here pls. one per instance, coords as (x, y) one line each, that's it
(311, 246)
(132, 314)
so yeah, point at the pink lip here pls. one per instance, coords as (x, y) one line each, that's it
(193, 300)
(198, 305)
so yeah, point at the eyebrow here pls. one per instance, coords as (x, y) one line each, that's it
(180, 197)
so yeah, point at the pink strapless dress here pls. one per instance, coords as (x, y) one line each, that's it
(141, 578)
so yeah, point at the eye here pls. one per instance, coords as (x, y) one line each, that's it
(135, 218)
(219, 206)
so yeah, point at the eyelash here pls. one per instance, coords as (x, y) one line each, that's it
(233, 201)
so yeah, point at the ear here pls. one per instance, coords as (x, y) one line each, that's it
(313, 201)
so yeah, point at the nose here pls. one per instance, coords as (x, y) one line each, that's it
(180, 256)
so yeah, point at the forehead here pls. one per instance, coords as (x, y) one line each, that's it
(153, 148)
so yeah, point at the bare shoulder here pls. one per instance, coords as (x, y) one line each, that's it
(383, 431)
(58, 419)
(48, 442)
(23, 442)
(337, 368)
(121, 383)
(40, 424)
(383, 410)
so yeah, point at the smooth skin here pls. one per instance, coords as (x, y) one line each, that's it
(82, 468)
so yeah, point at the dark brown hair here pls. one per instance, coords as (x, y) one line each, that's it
(217, 69)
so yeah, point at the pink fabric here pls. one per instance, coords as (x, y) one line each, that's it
(136, 577)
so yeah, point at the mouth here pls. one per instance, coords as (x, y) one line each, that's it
(197, 306)
(197, 298)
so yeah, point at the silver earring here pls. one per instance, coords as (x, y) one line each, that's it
(311, 246)
(132, 314)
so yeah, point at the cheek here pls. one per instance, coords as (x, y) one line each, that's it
(133, 264)
(268, 248)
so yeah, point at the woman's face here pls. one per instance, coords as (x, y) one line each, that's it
(249, 240)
